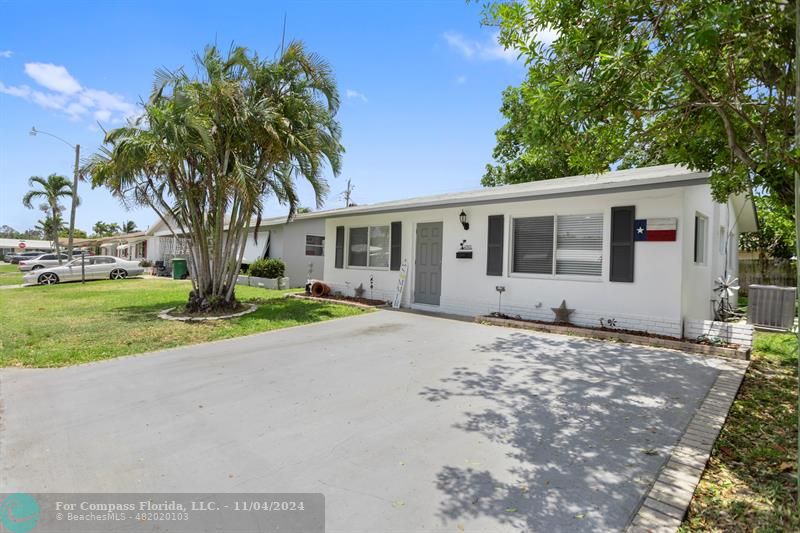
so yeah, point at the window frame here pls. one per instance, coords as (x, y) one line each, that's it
(347, 265)
(703, 260)
(320, 246)
(553, 276)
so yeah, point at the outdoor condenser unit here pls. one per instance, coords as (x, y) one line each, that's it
(771, 306)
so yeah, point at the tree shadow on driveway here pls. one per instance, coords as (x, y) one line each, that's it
(584, 426)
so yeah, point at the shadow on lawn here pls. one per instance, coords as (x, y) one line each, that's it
(586, 423)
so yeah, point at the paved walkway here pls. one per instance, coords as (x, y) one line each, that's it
(404, 422)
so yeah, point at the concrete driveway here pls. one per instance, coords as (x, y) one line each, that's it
(405, 423)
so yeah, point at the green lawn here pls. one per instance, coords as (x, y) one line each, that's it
(67, 324)
(10, 274)
(750, 481)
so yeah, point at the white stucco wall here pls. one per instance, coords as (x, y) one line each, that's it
(288, 243)
(698, 278)
(652, 302)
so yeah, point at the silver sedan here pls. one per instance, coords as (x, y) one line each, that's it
(95, 267)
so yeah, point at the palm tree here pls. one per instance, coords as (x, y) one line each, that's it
(209, 149)
(51, 227)
(129, 226)
(51, 189)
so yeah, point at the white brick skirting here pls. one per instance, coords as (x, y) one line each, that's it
(741, 334)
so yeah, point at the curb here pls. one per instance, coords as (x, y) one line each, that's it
(668, 498)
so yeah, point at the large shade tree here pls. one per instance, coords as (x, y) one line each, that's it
(51, 190)
(210, 148)
(706, 83)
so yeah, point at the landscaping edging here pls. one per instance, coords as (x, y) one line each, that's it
(264, 283)
(677, 344)
(166, 316)
(668, 498)
(335, 301)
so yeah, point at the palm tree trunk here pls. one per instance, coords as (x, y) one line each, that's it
(54, 216)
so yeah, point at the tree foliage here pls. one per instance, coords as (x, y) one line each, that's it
(210, 148)
(105, 229)
(705, 83)
(775, 237)
(51, 189)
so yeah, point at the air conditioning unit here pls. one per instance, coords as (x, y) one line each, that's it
(771, 306)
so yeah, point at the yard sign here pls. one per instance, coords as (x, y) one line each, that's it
(401, 283)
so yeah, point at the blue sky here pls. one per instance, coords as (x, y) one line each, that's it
(421, 86)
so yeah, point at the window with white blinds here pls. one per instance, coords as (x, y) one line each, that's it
(579, 245)
(533, 245)
(566, 244)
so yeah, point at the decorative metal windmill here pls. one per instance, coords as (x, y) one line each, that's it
(726, 286)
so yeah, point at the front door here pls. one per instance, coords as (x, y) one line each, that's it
(428, 270)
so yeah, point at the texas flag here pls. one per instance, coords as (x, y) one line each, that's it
(655, 229)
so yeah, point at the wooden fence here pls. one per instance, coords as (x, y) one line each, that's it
(783, 274)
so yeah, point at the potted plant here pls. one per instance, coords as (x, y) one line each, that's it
(267, 273)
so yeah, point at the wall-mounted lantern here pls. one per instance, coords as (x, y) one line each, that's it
(463, 218)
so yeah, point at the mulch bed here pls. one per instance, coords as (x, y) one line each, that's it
(615, 330)
(637, 337)
(347, 300)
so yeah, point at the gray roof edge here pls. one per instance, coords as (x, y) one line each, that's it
(698, 179)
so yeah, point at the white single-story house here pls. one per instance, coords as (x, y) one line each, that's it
(13, 246)
(639, 249)
(130, 246)
(299, 244)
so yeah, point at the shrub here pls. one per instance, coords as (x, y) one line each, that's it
(267, 268)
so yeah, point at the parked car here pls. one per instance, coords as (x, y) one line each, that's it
(41, 261)
(46, 260)
(14, 259)
(95, 267)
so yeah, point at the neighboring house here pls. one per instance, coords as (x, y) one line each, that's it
(130, 246)
(640, 248)
(12, 246)
(299, 244)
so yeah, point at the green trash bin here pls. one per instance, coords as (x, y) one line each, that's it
(180, 269)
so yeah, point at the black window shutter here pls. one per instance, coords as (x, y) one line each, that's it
(622, 243)
(339, 261)
(397, 241)
(494, 253)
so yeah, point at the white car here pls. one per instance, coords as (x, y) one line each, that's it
(41, 261)
(95, 267)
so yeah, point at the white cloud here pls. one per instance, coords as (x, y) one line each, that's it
(53, 77)
(491, 49)
(488, 50)
(103, 115)
(5, 54)
(350, 93)
(21, 91)
(65, 94)
(460, 43)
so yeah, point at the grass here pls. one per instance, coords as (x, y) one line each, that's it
(66, 324)
(750, 483)
(10, 274)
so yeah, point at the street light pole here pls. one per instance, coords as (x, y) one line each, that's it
(75, 177)
(74, 206)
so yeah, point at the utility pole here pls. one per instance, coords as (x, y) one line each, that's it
(74, 200)
(76, 176)
(348, 193)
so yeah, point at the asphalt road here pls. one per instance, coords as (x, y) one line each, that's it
(404, 422)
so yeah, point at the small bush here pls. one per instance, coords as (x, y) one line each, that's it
(267, 268)
(145, 263)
